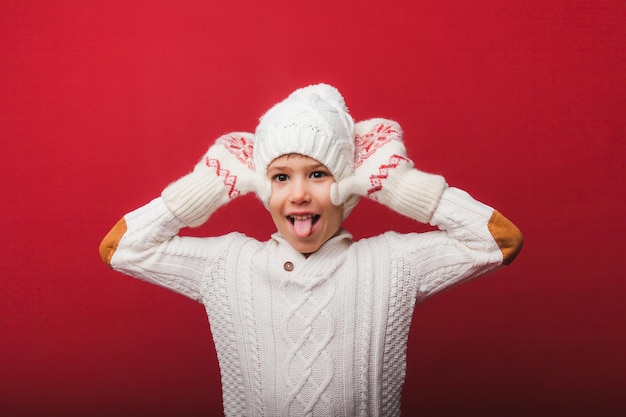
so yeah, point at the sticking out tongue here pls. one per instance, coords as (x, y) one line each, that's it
(303, 227)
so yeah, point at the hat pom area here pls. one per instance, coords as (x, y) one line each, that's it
(322, 91)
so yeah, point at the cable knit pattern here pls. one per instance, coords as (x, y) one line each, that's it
(219, 309)
(401, 302)
(307, 330)
(364, 334)
(319, 336)
(252, 340)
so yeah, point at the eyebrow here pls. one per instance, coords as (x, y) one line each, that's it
(284, 167)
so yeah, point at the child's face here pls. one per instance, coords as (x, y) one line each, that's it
(300, 202)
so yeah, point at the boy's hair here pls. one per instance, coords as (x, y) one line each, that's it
(313, 121)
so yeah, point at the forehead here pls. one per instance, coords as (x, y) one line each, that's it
(294, 159)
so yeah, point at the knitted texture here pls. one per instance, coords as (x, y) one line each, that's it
(327, 335)
(225, 172)
(384, 173)
(313, 121)
(307, 329)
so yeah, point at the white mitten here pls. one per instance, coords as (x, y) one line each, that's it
(384, 173)
(225, 172)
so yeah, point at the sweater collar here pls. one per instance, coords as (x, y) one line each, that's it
(319, 264)
(341, 239)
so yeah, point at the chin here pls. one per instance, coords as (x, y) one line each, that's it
(306, 248)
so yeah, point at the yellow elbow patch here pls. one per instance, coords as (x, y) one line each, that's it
(508, 237)
(109, 244)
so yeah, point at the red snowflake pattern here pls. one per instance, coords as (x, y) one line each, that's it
(240, 147)
(367, 144)
(229, 180)
(377, 180)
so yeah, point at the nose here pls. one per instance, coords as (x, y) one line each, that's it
(299, 192)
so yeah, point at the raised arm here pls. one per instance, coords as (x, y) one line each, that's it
(474, 238)
(144, 243)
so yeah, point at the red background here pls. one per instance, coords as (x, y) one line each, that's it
(522, 103)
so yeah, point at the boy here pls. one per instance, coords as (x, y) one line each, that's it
(310, 323)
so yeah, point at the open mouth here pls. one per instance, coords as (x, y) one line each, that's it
(313, 218)
(303, 224)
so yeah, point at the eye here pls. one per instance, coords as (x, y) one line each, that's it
(280, 177)
(319, 174)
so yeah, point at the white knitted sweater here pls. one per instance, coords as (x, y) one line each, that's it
(319, 336)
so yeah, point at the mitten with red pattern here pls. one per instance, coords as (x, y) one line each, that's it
(225, 172)
(384, 173)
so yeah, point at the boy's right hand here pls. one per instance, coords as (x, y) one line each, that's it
(231, 158)
(225, 172)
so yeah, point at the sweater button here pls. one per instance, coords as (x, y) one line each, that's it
(288, 266)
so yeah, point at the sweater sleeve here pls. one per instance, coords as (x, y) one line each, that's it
(145, 244)
(473, 239)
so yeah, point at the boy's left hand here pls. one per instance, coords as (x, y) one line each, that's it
(381, 168)
(379, 151)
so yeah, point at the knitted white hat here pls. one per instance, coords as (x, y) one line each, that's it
(313, 121)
